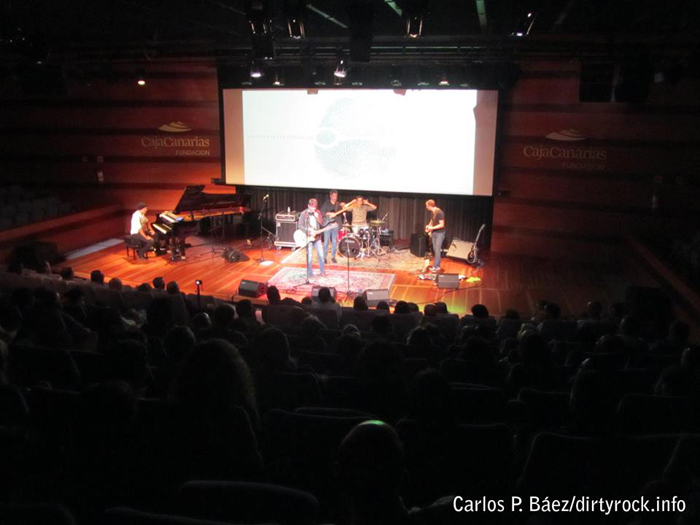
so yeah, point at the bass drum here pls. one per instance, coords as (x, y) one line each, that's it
(350, 246)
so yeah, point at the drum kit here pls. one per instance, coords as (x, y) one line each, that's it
(361, 241)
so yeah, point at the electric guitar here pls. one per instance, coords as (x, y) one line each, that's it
(302, 238)
(333, 215)
(473, 256)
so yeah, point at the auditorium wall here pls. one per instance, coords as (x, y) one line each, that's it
(117, 142)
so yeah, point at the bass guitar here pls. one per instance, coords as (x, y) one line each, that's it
(302, 238)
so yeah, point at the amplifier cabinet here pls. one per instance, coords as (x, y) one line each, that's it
(286, 225)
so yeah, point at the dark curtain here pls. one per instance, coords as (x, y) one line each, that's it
(406, 212)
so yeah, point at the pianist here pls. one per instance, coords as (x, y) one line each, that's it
(139, 230)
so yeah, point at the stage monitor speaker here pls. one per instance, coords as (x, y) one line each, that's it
(315, 289)
(374, 296)
(419, 246)
(460, 249)
(447, 280)
(252, 288)
(232, 255)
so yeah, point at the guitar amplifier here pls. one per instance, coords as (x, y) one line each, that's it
(460, 249)
(419, 244)
(286, 225)
(386, 238)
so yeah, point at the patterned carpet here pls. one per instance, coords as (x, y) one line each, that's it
(294, 278)
(402, 260)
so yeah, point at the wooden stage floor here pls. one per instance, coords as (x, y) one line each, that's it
(506, 281)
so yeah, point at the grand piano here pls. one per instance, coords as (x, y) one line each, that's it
(173, 227)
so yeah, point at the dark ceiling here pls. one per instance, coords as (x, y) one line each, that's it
(88, 30)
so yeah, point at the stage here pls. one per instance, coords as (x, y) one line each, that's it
(502, 282)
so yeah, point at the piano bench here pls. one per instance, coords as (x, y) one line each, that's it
(132, 245)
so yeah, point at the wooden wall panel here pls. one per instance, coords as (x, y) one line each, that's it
(542, 244)
(582, 208)
(545, 91)
(142, 145)
(620, 159)
(585, 187)
(627, 126)
(119, 116)
(580, 220)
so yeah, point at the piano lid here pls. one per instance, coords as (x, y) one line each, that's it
(195, 199)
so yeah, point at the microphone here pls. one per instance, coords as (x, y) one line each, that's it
(266, 197)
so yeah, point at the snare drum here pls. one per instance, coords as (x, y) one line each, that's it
(350, 245)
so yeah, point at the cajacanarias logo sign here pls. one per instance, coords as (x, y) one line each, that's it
(189, 146)
(571, 152)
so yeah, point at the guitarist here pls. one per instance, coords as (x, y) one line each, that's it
(330, 210)
(310, 220)
(436, 230)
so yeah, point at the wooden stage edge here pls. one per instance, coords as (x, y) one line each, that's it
(506, 281)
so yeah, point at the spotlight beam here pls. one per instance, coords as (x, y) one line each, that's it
(325, 15)
(396, 8)
(483, 19)
(562, 15)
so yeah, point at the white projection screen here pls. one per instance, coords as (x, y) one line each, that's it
(432, 141)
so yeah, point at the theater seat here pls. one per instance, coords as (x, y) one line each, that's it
(126, 516)
(641, 414)
(236, 502)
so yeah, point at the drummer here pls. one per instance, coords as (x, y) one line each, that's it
(359, 208)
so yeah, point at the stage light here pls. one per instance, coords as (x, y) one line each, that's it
(319, 76)
(255, 71)
(414, 26)
(524, 23)
(444, 81)
(259, 13)
(341, 69)
(140, 77)
(357, 77)
(423, 78)
(278, 82)
(395, 78)
(294, 13)
(414, 14)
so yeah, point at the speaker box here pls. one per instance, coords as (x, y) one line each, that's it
(460, 249)
(252, 288)
(232, 255)
(386, 238)
(314, 292)
(419, 244)
(285, 233)
(374, 296)
(447, 280)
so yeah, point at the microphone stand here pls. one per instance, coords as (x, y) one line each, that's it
(260, 218)
(347, 286)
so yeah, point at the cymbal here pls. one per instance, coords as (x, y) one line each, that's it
(377, 223)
